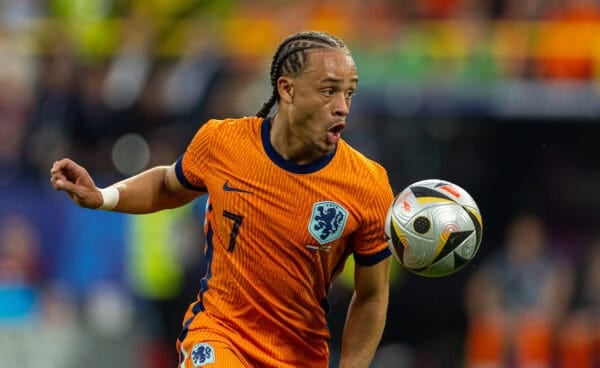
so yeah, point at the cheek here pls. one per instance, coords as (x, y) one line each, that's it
(312, 113)
(311, 124)
(309, 108)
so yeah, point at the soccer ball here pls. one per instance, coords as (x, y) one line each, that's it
(434, 228)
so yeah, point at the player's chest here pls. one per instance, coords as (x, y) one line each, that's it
(313, 212)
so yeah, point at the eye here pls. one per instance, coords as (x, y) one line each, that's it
(328, 92)
(350, 93)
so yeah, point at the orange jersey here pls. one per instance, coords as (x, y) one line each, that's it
(278, 233)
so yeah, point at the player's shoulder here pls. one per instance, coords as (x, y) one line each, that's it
(369, 178)
(245, 122)
(216, 132)
(226, 130)
(360, 162)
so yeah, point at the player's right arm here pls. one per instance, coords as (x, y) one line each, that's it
(152, 190)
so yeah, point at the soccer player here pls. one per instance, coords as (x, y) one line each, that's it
(289, 202)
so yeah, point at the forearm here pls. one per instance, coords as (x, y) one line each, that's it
(363, 330)
(146, 192)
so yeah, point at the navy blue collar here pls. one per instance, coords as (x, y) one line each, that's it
(289, 165)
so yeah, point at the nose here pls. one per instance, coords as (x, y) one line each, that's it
(341, 106)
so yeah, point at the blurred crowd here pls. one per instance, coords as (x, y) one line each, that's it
(121, 85)
(82, 74)
(533, 304)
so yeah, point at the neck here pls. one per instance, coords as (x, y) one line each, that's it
(287, 144)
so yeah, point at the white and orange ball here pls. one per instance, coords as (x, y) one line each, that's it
(434, 228)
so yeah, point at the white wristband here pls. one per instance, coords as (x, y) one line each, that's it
(110, 197)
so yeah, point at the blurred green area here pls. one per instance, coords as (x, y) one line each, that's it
(469, 45)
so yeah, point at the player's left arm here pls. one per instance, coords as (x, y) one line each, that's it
(366, 314)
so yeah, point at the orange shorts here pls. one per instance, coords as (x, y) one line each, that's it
(204, 349)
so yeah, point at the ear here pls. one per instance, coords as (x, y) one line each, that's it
(285, 87)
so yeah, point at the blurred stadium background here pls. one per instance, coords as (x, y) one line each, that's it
(500, 97)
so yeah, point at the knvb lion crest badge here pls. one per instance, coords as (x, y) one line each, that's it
(327, 221)
(202, 354)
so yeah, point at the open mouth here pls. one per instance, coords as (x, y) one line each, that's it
(337, 129)
(334, 133)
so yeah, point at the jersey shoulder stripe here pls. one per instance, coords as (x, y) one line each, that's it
(182, 179)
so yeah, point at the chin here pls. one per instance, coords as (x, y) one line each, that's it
(329, 149)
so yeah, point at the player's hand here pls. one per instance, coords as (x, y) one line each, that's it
(73, 179)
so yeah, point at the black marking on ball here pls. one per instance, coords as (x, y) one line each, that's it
(397, 244)
(478, 227)
(454, 240)
(425, 192)
(422, 224)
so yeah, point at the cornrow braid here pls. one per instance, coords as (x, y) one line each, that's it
(290, 58)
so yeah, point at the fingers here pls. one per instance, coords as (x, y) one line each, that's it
(60, 182)
(73, 179)
(59, 165)
(61, 174)
(57, 178)
(64, 166)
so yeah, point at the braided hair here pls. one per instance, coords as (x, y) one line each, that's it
(290, 59)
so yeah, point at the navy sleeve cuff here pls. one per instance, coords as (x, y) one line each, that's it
(183, 180)
(372, 259)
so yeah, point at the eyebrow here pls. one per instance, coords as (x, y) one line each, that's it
(338, 80)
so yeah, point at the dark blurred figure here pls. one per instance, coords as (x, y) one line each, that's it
(19, 248)
(17, 80)
(516, 300)
(579, 336)
(30, 314)
(54, 106)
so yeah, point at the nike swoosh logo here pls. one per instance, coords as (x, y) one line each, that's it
(227, 188)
